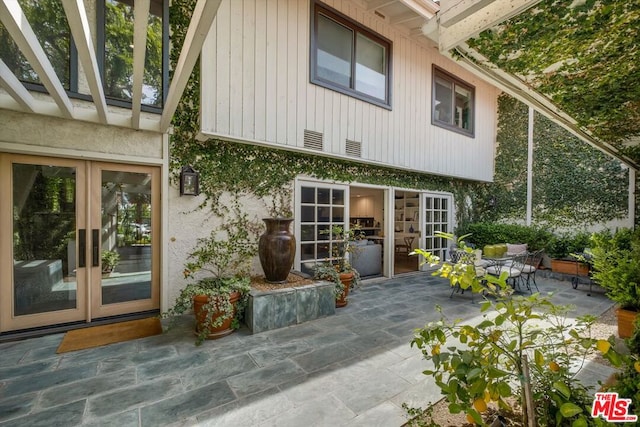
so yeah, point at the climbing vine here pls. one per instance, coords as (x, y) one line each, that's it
(574, 184)
(244, 169)
(582, 54)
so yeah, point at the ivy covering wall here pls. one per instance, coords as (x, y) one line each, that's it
(575, 184)
(582, 54)
(243, 169)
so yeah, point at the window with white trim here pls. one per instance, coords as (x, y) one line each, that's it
(349, 58)
(320, 206)
(453, 103)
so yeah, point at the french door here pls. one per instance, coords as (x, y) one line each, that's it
(437, 214)
(78, 240)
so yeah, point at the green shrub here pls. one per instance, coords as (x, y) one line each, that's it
(563, 245)
(616, 265)
(485, 233)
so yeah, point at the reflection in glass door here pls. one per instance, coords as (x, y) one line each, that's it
(80, 241)
(125, 239)
(40, 264)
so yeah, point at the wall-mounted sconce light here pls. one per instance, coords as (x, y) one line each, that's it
(189, 182)
(492, 202)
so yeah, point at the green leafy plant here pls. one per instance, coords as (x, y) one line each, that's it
(341, 248)
(627, 380)
(474, 364)
(222, 263)
(109, 260)
(562, 246)
(616, 265)
(489, 233)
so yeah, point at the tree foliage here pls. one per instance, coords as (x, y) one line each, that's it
(583, 55)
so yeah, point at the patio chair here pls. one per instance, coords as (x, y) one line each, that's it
(531, 266)
(510, 266)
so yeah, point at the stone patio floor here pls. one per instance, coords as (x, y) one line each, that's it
(355, 368)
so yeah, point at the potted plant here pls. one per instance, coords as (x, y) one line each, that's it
(219, 268)
(560, 249)
(338, 269)
(616, 265)
(109, 261)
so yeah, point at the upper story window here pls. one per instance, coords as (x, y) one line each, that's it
(348, 58)
(115, 44)
(49, 23)
(453, 103)
(114, 22)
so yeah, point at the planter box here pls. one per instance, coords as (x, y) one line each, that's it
(279, 308)
(566, 266)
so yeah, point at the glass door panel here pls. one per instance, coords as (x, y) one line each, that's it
(321, 207)
(44, 243)
(42, 268)
(437, 217)
(124, 281)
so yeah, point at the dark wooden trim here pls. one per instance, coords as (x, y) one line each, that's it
(437, 71)
(356, 27)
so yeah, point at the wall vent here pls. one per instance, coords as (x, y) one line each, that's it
(313, 140)
(353, 148)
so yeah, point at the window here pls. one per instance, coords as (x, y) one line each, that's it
(115, 44)
(321, 206)
(115, 50)
(453, 103)
(348, 58)
(49, 23)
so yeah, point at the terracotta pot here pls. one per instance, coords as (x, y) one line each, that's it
(626, 319)
(201, 314)
(346, 279)
(277, 249)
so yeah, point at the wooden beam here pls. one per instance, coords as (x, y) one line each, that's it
(474, 23)
(405, 17)
(421, 7)
(18, 27)
(79, 25)
(15, 88)
(377, 4)
(201, 20)
(140, 17)
(477, 64)
(453, 12)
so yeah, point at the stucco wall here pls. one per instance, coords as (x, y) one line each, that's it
(51, 132)
(187, 223)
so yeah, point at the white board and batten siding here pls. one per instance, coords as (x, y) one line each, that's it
(255, 88)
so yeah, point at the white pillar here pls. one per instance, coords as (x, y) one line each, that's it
(530, 166)
(632, 197)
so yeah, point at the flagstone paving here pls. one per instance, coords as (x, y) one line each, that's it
(355, 368)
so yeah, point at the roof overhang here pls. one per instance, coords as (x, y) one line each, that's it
(460, 20)
(58, 103)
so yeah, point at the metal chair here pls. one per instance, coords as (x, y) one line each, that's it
(510, 266)
(532, 264)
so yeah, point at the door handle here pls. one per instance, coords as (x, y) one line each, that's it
(95, 247)
(82, 248)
